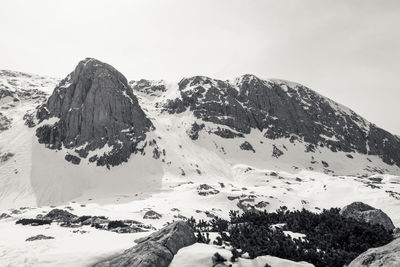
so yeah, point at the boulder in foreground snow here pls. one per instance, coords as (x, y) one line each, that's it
(158, 249)
(388, 255)
(363, 212)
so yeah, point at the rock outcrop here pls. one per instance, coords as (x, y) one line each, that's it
(151, 214)
(39, 237)
(363, 212)
(282, 109)
(95, 107)
(388, 256)
(151, 88)
(156, 250)
(67, 219)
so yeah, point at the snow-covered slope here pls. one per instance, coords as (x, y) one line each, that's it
(188, 165)
(35, 175)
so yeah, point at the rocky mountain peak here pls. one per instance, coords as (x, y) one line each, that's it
(95, 106)
(282, 109)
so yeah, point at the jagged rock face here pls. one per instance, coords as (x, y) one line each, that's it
(95, 107)
(152, 88)
(388, 256)
(283, 109)
(365, 213)
(158, 249)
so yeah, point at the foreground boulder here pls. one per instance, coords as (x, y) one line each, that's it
(95, 107)
(156, 250)
(388, 256)
(365, 213)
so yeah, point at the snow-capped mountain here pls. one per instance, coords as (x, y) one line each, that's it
(101, 145)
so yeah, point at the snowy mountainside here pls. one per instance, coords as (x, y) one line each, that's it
(213, 146)
(189, 142)
(20, 94)
(281, 109)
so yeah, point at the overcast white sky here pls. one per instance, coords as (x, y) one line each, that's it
(348, 50)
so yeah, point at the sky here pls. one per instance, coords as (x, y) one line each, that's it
(347, 50)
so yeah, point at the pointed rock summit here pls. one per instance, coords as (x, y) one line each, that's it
(95, 107)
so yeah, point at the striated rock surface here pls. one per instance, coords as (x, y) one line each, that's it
(156, 250)
(95, 107)
(388, 256)
(363, 212)
(282, 109)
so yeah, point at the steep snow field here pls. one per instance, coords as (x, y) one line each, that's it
(173, 185)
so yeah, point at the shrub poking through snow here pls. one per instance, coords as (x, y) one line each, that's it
(217, 258)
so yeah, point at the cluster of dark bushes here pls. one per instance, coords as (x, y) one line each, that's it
(331, 239)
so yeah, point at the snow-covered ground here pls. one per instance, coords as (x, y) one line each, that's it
(199, 255)
(39, 178)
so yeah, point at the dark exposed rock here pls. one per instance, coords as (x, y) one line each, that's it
(283, 109)
(95, 107)
(393, 194)
(151, 214)
(276, 152)
(226, 133)
(67, 219)
(152, 88)
(59, 215)
(158, 249)
(247, 146)
(29, 119)
(33, 222)
(4, 216)
(205, 190)
(73, 159)
(363, 212)
(5, 122)
(194, 130)
(262, 204)
(6, 156)
(39, 237)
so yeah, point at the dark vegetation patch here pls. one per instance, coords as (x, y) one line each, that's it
(331, 239)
